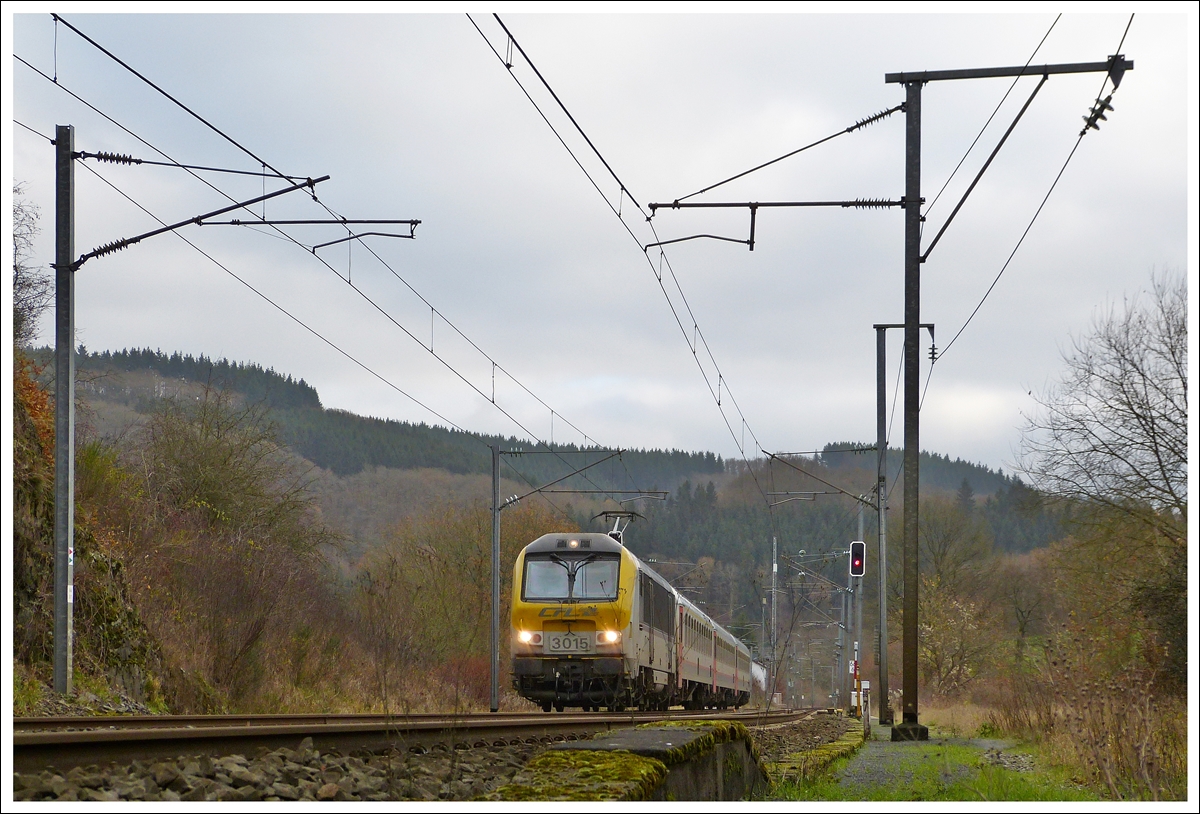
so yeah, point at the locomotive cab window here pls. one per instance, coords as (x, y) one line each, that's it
(557, 578)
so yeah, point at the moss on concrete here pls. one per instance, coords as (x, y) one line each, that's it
(713, 733)
(812, 762)
(584, 774)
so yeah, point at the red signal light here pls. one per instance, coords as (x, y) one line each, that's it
(858, 558)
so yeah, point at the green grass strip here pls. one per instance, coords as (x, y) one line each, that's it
(929, 772)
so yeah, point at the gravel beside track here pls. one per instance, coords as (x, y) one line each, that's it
(85, 703)
(287, 774)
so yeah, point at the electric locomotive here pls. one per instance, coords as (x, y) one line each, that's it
(593, 626)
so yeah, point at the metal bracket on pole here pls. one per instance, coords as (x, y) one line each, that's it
(117, 245)
(753, 206)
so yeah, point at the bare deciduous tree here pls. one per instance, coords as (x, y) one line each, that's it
(1113, 432)
(228, 539)
(32, 287)
(954, 544)
(1111, 439)
(1020, 590)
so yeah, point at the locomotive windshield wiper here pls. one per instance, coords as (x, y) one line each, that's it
(572, 567)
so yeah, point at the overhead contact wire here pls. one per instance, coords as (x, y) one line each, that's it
(678, 320)
(617, 211)
(286, 236)
(674, 312)
(624, 188)
(280, 234)
(658, 276)
(614, 209)
(193, 113)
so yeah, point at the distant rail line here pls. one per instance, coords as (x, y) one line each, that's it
(67, 741)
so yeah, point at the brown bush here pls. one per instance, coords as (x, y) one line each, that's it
(423, 604)
(222, 548)
(1131, 741)
(32, 516)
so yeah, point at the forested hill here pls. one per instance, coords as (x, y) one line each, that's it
(937, 471)
(276, 390)
(346, 443)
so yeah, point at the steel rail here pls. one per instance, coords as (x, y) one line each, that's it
(77, 722)
(62, 743)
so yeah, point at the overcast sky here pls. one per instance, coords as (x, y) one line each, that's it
(414, 116)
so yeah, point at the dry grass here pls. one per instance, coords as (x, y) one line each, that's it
(1107, 726)
(958, 718)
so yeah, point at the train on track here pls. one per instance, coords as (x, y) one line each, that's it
(595, 627)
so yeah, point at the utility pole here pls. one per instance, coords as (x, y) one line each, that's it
(64, 405)
(885, 708)
(886, 715)
(844, 674)
(762, 646)
(495, 659)
(858, 587)
(836, 684)
(1115, 66)
(910, 728)
(774, 618)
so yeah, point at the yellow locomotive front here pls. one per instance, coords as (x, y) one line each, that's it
(571, 609)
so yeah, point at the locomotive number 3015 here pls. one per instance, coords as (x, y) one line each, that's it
(568, 643)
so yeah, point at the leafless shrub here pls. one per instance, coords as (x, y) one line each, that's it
(1023, 705)
(386, 605)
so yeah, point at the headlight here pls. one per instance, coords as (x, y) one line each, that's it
(611, 636)
(525, 636)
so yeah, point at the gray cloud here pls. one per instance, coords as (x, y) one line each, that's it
(413, 116)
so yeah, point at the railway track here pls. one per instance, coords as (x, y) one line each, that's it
(65, 742)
